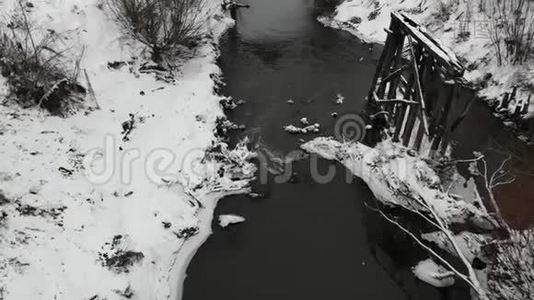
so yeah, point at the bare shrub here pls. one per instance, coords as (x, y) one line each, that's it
(511, 29)
(162, 25)
(511, 277)
(35, 71)
(445, 9)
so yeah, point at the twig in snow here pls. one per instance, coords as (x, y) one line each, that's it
(90, 89)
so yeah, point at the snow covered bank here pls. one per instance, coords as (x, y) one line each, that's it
(113, 203)
(461, 25)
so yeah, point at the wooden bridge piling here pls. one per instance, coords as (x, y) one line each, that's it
(410, 67)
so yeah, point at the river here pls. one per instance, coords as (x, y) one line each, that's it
(303, 239)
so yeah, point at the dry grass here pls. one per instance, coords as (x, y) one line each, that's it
(162, 25)
(511, 277)
(512, 29)
(36, 73)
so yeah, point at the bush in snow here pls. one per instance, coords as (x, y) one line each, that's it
(445, 9)
(162, 25)
(117, 258)
(37, 73)
(511, 276)
(512, 29)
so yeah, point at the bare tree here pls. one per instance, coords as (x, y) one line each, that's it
(501, 176)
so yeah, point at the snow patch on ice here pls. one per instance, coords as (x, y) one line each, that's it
(315, 128)
(433, 274)
(226, 220)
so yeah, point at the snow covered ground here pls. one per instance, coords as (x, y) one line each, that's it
(89, 214)
(447, 20)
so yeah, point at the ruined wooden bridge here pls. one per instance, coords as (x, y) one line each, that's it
(415, 91)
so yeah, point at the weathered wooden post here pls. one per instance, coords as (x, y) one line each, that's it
(526, 105)
(505, 101)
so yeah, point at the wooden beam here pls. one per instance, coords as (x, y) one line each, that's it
(400, 120)
(404, 101)
(396, 72)
(524, 111)
(409, 112)
(441, 130)
(419, 89)
(394, 39)
(420, 133)
(443, 54)
(382, 59)
(410, 124)
(392, 93)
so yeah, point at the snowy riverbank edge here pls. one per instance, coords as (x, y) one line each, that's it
(368, 19)
(70, 231)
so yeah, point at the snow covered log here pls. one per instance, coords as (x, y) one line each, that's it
(397, 178)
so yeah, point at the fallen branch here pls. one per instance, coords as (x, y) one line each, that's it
(469, 279)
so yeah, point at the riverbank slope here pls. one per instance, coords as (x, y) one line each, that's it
(112, 203)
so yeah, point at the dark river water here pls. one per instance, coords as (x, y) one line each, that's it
(304, 239)
(482, 131)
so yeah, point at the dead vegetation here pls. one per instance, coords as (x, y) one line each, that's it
(37, 73)
(445, 9)
(162, 25)
(117, 258)
(511, 276)
(511, 29)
